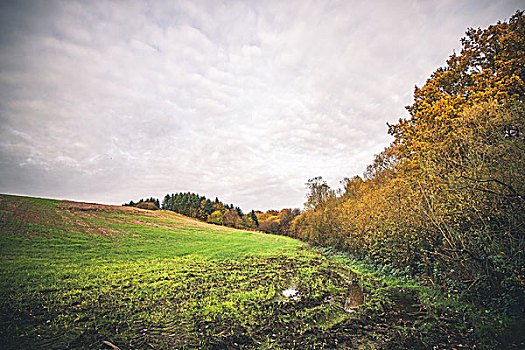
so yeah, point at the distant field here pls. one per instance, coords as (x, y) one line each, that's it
(76, 275)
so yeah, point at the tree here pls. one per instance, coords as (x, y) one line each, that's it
(166, 205)
(208, 207)
(446, 198)
(215, 218)
(248, 222)
(253, 216)
(231, 218)
(285, 219)
(239, 211)
(460, 155)
(352, 186)
(269, 226)
(318, 192)
(491, 67)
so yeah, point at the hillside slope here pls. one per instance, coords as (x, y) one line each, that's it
(79, 275)
(35, 219)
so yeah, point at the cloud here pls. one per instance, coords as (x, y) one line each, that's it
(108, 101)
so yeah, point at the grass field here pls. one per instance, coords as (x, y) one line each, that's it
(77, 275)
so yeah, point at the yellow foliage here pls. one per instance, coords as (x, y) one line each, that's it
(446, 197)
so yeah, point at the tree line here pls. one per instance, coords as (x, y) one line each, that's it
(445, 200)
(142, 203)
(216, 212)
(196, 206)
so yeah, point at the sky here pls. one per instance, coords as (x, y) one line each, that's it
(112, 101)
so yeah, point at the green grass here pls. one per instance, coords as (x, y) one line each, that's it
(448, 317)
(75, 275)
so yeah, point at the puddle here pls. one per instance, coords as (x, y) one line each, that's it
(404, 301)
(354, 298)
(349, 300)
(291, 293)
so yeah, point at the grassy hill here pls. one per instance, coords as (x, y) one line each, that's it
(79, 275)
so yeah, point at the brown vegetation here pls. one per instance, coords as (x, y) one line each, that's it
(147, 206)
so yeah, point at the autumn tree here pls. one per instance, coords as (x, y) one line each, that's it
(445, 199)
(460, 155)
(318, 192)
(491, 67)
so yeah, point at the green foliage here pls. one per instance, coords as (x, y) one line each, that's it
(215, 218)
(254, 219)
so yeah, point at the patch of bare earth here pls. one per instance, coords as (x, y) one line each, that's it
(79, 217)
(90, 207)
(195, 222)
(19, 216)
(25, 217)
(91, 210)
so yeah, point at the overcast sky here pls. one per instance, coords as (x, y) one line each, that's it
(108, 101)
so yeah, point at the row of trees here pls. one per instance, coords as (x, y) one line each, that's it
(141, 201)
(277, 222)
(202, 208)
(446, 198)
(218, 213)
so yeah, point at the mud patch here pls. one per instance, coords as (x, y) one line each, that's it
(88, 207)
(405, 301)
(355, 297)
